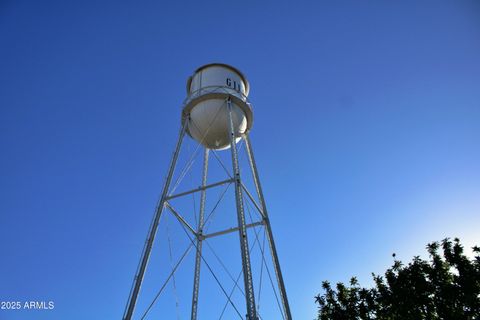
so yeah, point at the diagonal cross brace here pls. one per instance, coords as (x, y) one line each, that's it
(180, 218)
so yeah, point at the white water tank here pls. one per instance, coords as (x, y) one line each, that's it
(206, 110)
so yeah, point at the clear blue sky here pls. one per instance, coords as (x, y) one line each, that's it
(366, 134)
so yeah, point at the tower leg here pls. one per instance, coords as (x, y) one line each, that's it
(273, 250)
(198, 257)
(137, 282)
(247, 270)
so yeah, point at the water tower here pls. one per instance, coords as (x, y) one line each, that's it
(217, 115)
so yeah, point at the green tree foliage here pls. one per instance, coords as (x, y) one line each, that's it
(447, 287)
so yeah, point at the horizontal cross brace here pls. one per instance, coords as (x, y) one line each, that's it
(219, 233)
(199, 189)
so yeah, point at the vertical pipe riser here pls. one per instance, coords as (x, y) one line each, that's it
(198, 257)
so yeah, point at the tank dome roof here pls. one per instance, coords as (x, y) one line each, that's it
(215, 64)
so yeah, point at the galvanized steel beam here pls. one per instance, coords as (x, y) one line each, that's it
(202, 188)
(198, 257)
(230, 230)
(273, 250)
(137, 282)
(247, 269)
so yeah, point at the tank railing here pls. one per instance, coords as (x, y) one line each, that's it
(216, 89)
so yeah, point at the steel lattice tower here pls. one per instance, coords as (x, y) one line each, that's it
(217, 115)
